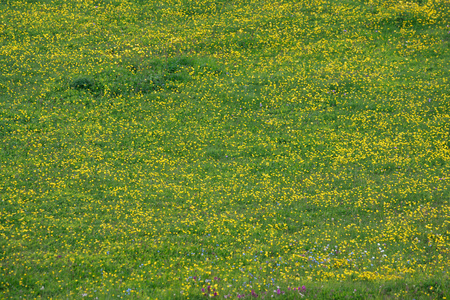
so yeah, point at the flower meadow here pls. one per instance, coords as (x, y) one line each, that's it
(231, 149)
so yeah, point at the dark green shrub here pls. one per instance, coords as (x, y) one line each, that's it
(87, 84)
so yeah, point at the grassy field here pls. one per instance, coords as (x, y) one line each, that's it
(237, 149)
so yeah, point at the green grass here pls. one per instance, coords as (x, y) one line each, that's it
(153, 149)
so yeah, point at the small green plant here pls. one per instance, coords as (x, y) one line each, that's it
(87, 84)
(82, 83)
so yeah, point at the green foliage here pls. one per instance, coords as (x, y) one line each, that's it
(87, 84)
